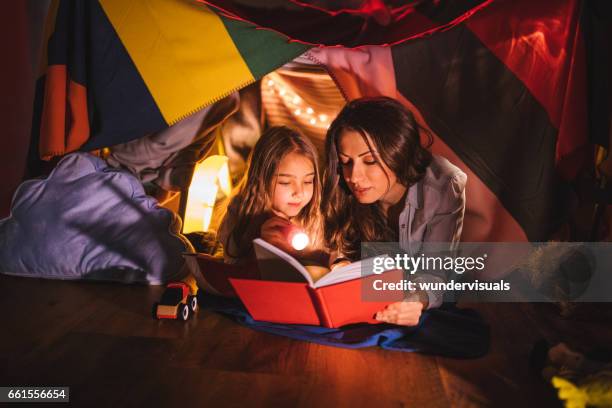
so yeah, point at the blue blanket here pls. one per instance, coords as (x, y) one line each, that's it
(447, 331)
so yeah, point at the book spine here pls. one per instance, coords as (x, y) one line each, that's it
(319, 303)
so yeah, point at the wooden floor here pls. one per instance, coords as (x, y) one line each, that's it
(100, 340)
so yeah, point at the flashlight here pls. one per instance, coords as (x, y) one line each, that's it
(299, 241)
(297, 237)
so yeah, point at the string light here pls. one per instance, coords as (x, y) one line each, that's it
(295, 103)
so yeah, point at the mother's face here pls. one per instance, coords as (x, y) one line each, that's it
(368, 177)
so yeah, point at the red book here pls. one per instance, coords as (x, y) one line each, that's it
(286, 292)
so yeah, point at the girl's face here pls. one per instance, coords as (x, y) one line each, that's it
(368, 177)
(294, 185)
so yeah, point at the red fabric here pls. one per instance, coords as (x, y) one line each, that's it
(369, 72)
(373, 23)
(486, 219)
(541, 43)
(54, 141)
(17, 84)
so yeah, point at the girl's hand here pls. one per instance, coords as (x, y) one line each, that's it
(405, 313)
(274, 232)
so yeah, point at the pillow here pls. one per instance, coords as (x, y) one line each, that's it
(87, 220)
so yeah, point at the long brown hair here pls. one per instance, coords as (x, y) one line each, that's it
(251, 204)
(395, 137)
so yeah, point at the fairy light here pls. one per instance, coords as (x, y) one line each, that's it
(295, 103)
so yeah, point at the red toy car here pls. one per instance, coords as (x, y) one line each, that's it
(179, 301)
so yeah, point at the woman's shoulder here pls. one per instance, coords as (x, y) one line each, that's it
(442, 172)
(442, 188)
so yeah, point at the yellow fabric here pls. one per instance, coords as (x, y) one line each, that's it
(182, 51)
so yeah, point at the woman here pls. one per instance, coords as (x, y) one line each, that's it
(381, 184)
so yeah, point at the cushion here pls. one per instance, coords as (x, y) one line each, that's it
(87, 220)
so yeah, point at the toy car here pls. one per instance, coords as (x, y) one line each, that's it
(179, 301)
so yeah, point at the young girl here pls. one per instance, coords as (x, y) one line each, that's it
(280, 191)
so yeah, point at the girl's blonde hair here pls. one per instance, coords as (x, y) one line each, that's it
(250, 206)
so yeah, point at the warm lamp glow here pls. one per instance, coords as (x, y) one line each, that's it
(209, 176)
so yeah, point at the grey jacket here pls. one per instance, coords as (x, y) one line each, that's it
(433, 212)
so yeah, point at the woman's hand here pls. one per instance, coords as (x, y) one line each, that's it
(405, 313)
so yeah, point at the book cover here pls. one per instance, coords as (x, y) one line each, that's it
(286, 292)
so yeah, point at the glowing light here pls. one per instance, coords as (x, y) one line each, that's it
(300, 241)
(209, 177)
(296, 105)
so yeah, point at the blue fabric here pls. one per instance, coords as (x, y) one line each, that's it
(447, 331)
(87, 220)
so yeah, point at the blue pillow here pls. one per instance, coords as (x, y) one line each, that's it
(90, 221)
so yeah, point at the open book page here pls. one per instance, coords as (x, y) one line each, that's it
(277, 265)
(348, 272)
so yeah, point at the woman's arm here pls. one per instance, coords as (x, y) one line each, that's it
(447, 223)
(445, 226)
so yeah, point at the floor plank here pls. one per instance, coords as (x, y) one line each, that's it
(100, 340)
